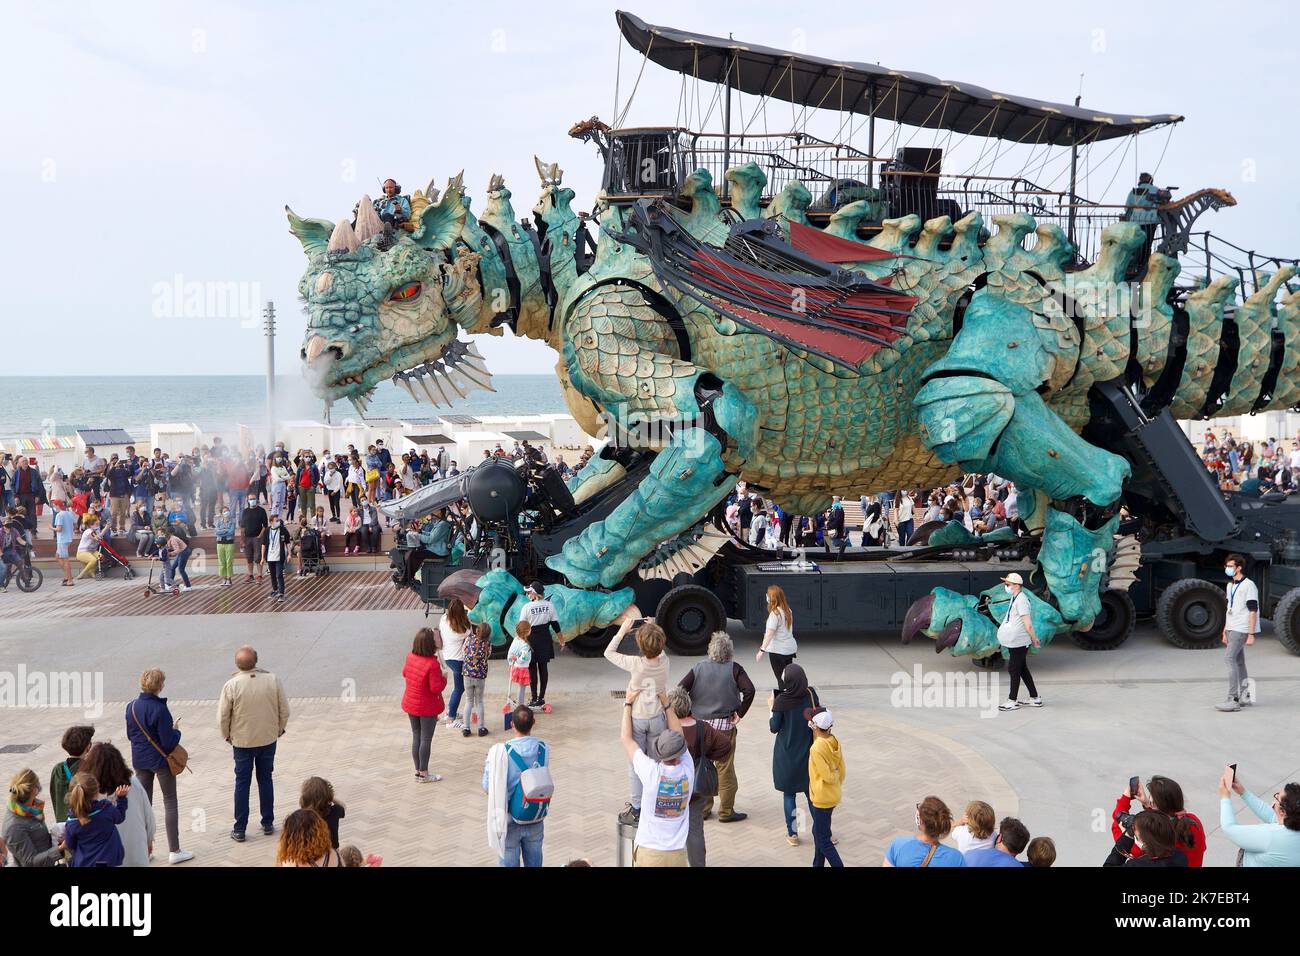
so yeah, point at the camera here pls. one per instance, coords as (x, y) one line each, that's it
(1125, 821)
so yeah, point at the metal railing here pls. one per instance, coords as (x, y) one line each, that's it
(655, 161)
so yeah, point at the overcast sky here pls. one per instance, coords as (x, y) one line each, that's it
(150, 145)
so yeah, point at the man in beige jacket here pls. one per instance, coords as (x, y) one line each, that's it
(254, 712)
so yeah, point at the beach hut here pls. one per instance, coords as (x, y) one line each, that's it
(107, 442)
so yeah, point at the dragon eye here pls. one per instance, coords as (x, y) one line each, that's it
(406, 292)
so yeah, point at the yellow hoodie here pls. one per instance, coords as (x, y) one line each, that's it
(825, 772)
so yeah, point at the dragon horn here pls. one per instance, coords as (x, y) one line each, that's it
(541, 170)
(496, 182)
(343, 239)
(456, 183)
(368, 224)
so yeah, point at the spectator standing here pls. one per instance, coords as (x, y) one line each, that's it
(305, 842)
(514, 841)
(253, 713)
(706, 747)
(1010, 842)
(275, 552)
(778, 634)
(104, 762)
(225, 537)
(667, 772)
(1239, 630)
(1274, 843)
(454, 627)
(721, 694)
(75, 742)
(904, 516)
(252, 525)
(63, 524)
(793, 742)
(925, 847)
(153, 735)
(91, 831)
(24, 830)
(318, 795)
(29, 491)
(333, 484)
(826, 772)
(977, 829)
(647, 678)
(1166, 796)
(1041, 852)
(422, 699)
(474, 670)
(1153, 833)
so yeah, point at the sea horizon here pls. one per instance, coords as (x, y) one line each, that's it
(218, 403)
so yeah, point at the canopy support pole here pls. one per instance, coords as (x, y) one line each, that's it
(871, 135)
(726, 129)
(1074, 177)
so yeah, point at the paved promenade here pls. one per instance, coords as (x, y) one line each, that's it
(1145, 708)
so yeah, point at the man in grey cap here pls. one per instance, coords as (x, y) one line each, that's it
(668, 777)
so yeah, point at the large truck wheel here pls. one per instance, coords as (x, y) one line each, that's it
(689, 614)
(1191, 614)
(1286, 621)
(1113, 625)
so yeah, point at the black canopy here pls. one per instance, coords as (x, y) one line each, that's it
(913, 99)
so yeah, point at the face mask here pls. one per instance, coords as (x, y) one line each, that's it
(225, 514)
(1230, 572)
(1007, 588)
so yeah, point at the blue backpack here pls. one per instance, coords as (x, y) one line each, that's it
(530, 800)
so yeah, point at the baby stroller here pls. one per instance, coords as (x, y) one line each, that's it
(110, 557)
(313, 556)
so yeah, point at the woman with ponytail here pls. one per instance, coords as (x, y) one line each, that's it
(24, 824)
(91, 833)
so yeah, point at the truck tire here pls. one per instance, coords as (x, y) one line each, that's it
(1191, 614)
(689, 615)
(1113, 625)
(1286, 621)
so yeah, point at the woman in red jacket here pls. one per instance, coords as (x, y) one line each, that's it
(422, 700)
(1166, 796)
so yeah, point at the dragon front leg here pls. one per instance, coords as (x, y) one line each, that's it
(655, 400)
(980, 408)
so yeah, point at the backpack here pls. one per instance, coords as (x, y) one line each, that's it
(530, 800)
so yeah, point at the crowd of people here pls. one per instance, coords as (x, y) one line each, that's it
(280, 511)
(1254, 468)
(980, 503)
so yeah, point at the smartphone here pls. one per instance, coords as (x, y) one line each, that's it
(1133, 783)
(1233, 768)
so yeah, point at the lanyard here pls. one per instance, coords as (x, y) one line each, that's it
(1232, 592)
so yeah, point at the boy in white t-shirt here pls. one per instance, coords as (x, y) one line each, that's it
(977, 829)
(668, 777)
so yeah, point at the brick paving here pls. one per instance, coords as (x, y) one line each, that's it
(363, 748)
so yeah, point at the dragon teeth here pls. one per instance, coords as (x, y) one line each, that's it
(455, 386)
(423, 382)
(405, 383)
(477, 377)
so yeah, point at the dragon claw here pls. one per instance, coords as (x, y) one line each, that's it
(949, 637)
(918, 617)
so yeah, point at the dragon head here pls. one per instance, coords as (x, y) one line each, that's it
(387, 304)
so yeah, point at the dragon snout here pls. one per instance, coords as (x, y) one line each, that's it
(318, 345)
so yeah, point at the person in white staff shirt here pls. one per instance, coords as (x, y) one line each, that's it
(1239, 630)
(1015, 633)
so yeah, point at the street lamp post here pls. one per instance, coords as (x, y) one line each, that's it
(268, 315)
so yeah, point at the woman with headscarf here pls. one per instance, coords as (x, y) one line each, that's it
(793, 742)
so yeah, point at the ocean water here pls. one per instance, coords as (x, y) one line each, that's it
(218, 403)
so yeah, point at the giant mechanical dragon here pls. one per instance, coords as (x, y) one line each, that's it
(738, 342)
